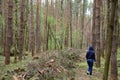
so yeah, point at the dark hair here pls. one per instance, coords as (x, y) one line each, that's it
(91, 48)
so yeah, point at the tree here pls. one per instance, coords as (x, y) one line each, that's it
(93, 26)
(26, 40)
(46, 27)
(102, 32)
(32, 38)
(5, 14)
(82, 22)
(1, 28)
(1, 7)
(15, 35)
(21, 30)
(9, 32)
(114, 74)
(38, 32)
(61, 15)
(96, 30)
(97, 26)
(68, 35)
(110, 39)
(70, 22)
(67, 26)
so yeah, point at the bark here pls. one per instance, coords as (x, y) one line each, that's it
(38, 29)
(5, 26)
(93, 26)
(97, 25)
(22, 29)
(46, 27)
(26, 26)
(67, 35)
(110, 39)
(114, 73)
(16, 31)
(108, 20)
(102, 36)
(70, 23)
(1, 7)
(61, 34)
(32, 38)
(83, 18)
(9, 32)
(1, 24)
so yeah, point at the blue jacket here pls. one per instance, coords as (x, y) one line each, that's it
(90, 53)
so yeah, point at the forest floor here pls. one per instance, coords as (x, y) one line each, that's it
(52, 65)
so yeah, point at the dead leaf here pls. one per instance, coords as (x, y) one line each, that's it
(15, 78)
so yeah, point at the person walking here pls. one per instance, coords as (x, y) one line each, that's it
(90, 57)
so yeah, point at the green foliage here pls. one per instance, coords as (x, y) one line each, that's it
(86, 4)
(7, 71)
(118, 59)
(1, 20)
(118, 54)
(51, 20)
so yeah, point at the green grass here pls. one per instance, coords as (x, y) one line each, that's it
(4, 69)
(82, 64)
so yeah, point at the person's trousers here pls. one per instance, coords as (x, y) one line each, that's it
(90, 65)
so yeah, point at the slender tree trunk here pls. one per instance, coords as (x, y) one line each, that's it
(46, 27)
(61, 34)
(93, 27)
(16, 31)
(9, 32)
(102, 32)
(114, 73)
(38, 32)
(70, 23)
(110, 39)
(27, 26)
(108, 20)
(32, 38)
(22, 30)
(97, 25)
(1, 24)
(83, 18)
(1, 7)
(54, 15)
(5, 26)
(67, 35)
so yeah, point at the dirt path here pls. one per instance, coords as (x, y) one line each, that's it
(81, 75)
(81, 72)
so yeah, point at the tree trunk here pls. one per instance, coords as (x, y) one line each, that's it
(1, 7)
(110, 39)
(38, 29)
(83, 18)
(114, 74)
(1, 24)
(9, 32)
(97, 25)
(27, 26)
(61, 34)
(68, 39)
(93, 27)
(108, 20)
(5, 26)
(46, 27)
(16, 31)
(22, 30)
(102, 32)
(70, 23)
(32, 38)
